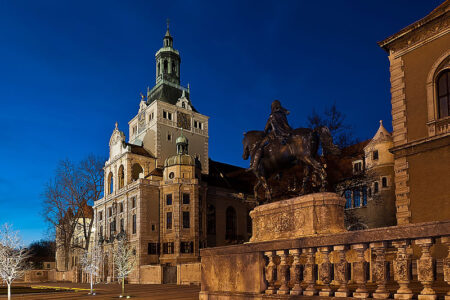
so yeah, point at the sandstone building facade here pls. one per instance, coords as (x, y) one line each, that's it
(161, 188)
(419, 57)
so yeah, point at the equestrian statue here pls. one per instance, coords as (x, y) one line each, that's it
(279, 147)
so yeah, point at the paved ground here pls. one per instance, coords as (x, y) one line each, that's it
(112, 291)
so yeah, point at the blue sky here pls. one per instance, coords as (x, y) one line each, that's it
(70, 69)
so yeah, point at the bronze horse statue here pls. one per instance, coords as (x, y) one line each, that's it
(300, 147)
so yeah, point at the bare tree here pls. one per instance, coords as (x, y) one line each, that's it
(335, 120)
(90, 262)
(13, 256)
(67, 200)
(124, 260)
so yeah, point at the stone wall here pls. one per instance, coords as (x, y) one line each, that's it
(189, 273)
(151, 274)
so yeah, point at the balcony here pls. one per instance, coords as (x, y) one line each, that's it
(401, 262)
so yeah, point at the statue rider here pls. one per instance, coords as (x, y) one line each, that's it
(277, 129)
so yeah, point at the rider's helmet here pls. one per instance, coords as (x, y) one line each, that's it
(276, 105)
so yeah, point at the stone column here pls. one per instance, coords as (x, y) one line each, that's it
(401, 270)
(340, 272)
(308, 272)
(445, 240)
(284, 269)
(271, 273)
(359, 271)
(325, 272)
(295, 272)
(425, 269)
(379, 270)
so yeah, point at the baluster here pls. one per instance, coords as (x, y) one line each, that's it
(425, 269)
(359, 271)
(271, 273)
(295, 271)
(402, 271)
(446, 263)
(308, 272)
(284, 269)
(325, 272)
(379, 270)
(340, 272)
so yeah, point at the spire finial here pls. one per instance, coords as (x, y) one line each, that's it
(168, 24)
(117, 125)
(381, 122)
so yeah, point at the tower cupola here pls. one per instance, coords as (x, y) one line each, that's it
(182, 144)
(168, 61)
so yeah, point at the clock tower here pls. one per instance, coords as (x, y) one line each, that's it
(166, 111)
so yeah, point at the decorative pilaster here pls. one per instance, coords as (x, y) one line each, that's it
(284, 269)
(325, 272)
(401, 270)
(425, 270)
(340, 272)
(271, 273)
(445, 240)
(308, 272)
(296, 272)
(379, 270)
(359, 271)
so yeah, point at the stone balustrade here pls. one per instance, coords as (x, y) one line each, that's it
(401, 262)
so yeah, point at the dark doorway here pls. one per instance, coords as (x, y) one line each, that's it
(169, 274)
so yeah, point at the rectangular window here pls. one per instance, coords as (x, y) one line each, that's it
(357, 198)
(169, 199)
(186, 220)
(375, 187)
(364, 195)
(134, 224)
(133, 202)
(100, 215)
(112, 226)
(169, 116)
(375, 155)
(164, 114)
(384, 182)
(186, 198)
(168, 248)
(186, 247)
(121, 207)
(348, 198)
(153, 227)
(101, 231)
(169, 137)
(169, 220)
(109, 211)
(122, 227)
(357, 167)
(153, 248)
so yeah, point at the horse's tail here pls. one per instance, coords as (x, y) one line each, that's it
(327, 141)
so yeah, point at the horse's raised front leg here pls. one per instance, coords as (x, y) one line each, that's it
(319, 169)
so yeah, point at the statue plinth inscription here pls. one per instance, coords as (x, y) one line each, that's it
(308, 215)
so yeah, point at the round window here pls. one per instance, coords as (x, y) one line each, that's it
(171, 175)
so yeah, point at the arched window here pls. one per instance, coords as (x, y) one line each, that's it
(121, 177)
(110, 183)
(231, 226)
(136, 172)
(443, 94)
(159, 68)
(211, 219)
(174, 67)
(166, 66)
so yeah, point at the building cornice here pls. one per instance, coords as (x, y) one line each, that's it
(422, 145)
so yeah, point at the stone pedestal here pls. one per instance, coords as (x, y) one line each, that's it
(309, 215)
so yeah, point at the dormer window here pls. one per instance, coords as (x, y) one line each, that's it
(357, 167)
